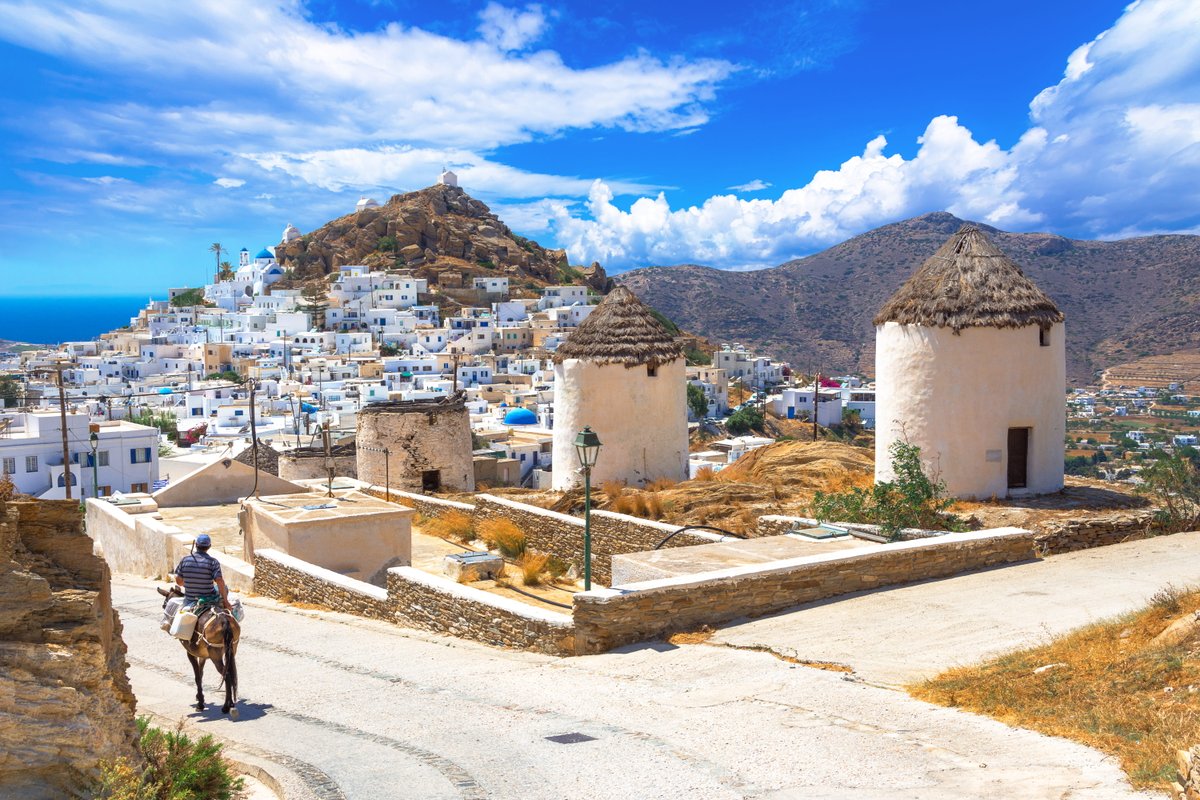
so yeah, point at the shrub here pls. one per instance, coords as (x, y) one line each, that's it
(532, 566)
(1174, 485)
(912, 500)
(612, 489)
(659, 484)
(177, 768)
(557, 567)
(705, 474)
(697, 402)
(503, 535)
(654, 507)
(454, 525)
(744, 420)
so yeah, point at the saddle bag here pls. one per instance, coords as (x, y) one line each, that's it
(183, 624)
(169, 610)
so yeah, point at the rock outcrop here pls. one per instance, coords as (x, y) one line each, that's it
(65, 701)
(440, 233)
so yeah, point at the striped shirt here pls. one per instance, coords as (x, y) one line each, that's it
(198, 571)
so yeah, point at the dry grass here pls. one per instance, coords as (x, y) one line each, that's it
(698, 636)
(659, 484)
(455, 526)
(1108, 686)
(653, 506)
(705, 474)
(503, 535)
(533, 565)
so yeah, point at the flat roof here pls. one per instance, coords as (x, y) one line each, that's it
(318, 506)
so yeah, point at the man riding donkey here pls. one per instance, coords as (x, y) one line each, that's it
(217, 631)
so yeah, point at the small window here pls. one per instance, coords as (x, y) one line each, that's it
(10, 466)
(103, 454)
(652, 371)
(31, 463)
(139, 487)
(1044, 336)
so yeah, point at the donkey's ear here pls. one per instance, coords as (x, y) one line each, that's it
(163, 592)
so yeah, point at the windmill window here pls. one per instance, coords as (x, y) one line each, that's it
(652, 371)
(1044, 336)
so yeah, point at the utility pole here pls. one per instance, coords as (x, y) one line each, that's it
(62, 416)
(328, 457)
(253, 435)
(816, 402)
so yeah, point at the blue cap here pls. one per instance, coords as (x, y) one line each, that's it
(203, 540)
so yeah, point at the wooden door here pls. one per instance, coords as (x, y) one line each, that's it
(1018, 458)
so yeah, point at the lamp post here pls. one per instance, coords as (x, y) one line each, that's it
(95, 440)
(587, 448)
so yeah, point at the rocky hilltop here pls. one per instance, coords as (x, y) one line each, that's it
(1122, 299)
(440, 233)
(65, 702)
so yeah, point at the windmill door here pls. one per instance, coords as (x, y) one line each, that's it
(1018, 458)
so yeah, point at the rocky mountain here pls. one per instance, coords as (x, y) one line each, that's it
(440, 233)
(1122, 299)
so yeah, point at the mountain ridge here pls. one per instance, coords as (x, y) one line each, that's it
(1122, 298)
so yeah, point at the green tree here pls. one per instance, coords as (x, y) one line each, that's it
(10, 391)
(1173, 484)
(697, 357)
(216, 249)
(190, 297)
(744, 420)
(225, 271)
(912, 500)
(697, 402)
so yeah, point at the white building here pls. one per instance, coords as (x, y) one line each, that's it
(448, 178)
(971, 367)
(31, 454)
(621, 373)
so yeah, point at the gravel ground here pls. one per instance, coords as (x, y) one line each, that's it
(339, 707)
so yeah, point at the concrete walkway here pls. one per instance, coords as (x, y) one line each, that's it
(900, 635)
(341, 707)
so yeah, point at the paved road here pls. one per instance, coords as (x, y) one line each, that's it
(350, 708)
(900, 635)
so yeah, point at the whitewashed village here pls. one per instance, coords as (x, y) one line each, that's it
(555, 468)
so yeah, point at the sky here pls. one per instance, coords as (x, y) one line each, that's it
(135, 134)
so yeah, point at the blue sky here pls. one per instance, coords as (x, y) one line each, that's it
(133, 135)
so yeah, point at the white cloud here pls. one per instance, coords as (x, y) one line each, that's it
(229, 183)
(286, 83)
(756, 185)
(1115, 146)
(510, 29)
(394, 168)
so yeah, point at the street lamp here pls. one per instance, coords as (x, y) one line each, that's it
(95, 440)
(587, 448)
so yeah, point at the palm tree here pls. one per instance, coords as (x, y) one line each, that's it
(225, 272)
(216, 249)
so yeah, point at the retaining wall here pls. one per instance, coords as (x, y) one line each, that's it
(426, 601)
(417, 599)
(283, 577)
(609, 618)
(1081, 533)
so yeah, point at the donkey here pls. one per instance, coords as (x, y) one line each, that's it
(215, 639)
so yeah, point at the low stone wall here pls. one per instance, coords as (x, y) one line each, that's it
(417, 599)
(609, 618)
(425, 505)
(1081, 533)
(561, 535)
(283, 577)
(425, 601)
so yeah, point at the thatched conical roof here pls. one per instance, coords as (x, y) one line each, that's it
(621, 330)
(969, 283)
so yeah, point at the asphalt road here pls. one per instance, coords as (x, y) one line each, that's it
(339, 707)
(900, 635)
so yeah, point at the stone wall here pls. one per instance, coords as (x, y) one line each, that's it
(65, 700)
(417, 599)
(1096, 530)
(608, 618)
(436, 604)
(561, 535)
(424, 504)
(308, 463)
(775, 525)
(282, 577)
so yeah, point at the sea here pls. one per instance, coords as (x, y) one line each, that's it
(51, 320)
